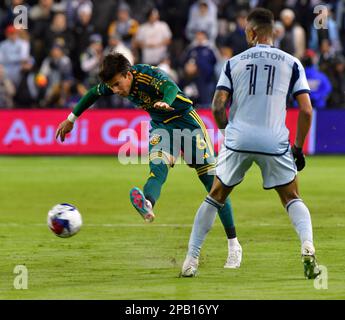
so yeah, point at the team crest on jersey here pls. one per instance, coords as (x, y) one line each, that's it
(155, 139)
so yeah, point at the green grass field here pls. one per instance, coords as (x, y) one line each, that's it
(117, 256)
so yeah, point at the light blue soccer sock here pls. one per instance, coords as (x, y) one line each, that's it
(203, 222)
(226, 213)
(300, 218)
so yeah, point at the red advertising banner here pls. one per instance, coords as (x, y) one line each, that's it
(25, 132)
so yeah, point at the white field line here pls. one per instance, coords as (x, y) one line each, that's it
(105, 225)
(138, 225)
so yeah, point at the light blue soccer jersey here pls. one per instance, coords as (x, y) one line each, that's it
(260, 81)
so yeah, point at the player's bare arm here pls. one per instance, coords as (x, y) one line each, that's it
(64, 128)
(304, 118)
(219, 103)
(303, 126)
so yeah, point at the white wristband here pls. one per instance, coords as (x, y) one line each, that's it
(72, 117)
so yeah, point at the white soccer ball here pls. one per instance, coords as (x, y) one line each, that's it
(64, 220)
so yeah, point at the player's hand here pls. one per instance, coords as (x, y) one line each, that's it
(64, 128)
(298, 157)
(160, 105)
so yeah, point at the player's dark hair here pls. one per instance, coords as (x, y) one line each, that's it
(113, 64)
(261, 18)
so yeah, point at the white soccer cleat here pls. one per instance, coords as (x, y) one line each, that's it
(311, 268)
(190, 267)
(234, 258)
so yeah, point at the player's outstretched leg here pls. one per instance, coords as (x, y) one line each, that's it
(234, 258)
(144, 201)
(300, 218)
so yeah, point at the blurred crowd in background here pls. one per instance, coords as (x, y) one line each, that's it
(53, 62)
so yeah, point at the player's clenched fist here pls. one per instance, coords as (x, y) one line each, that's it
(64, 128)
(298, 157)
(160, 105)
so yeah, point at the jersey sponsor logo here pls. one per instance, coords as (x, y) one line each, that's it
(155, 139)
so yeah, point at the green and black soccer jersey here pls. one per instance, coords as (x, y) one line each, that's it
(150, 85)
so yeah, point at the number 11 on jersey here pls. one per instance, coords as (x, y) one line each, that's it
(253, 68)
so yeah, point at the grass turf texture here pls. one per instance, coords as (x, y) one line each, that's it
(117, 256)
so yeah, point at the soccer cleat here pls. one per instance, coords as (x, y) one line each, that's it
(190, 267)
(143, 206)
(311, 268)
(234, 258)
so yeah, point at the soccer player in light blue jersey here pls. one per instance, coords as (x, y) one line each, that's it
(258, 83)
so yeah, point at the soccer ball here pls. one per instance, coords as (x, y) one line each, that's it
(64, 220)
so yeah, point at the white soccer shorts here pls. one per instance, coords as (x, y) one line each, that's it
(275, 170)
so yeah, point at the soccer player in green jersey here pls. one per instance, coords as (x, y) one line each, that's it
(175, 127)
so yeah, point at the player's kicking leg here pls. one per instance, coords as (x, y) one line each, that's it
(301, 220)
(144, 201)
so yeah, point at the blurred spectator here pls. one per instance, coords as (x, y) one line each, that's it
(71, 8)
(228, 9)
(12, 52)
(139, 8)
(199, 65)
(82, 33)
(42, 12)
(41, 16)
(153, 38)
(103, 13)
(278, 33)
(195, 8)
(7, 90)
(293, 41)
(58, 30)
(340, 19)
(305, 15)
(225, 53)
(331, 33)
(336, 75)
(202, 19)
(115, 44)
(57, 68)
(30, 88)
(124, 25)
(236, 39)
(165, 65)
(320, 86)
(326, 56)
(275, 6)
(91, 59)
